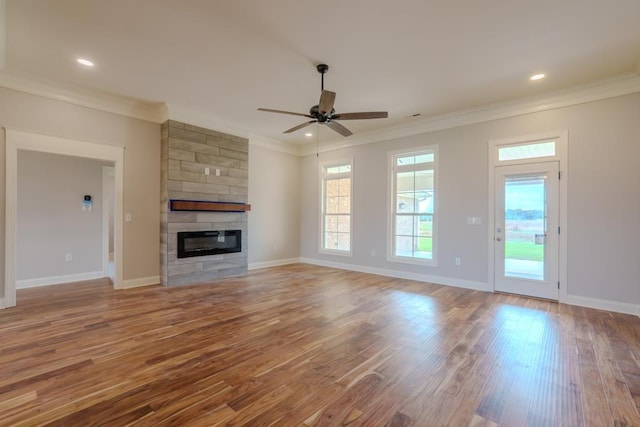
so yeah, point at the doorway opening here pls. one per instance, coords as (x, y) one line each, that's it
(108, 196)
(528, 216)
(16, 140)
(526, 229)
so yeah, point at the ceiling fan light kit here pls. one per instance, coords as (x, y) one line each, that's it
(324, 113)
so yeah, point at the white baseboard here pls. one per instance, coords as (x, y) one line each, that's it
(447, 281)
(2, 303)
(600, 304)
(142, 281)
(615, 306)
(58, 280)
(274, 263)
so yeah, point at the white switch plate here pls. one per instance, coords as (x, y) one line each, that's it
(207, 171)
(127, 217)
(68, 257)
(217, 172)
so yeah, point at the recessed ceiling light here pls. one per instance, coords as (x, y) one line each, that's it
(537, 76)
(308, 134)
(85, 62)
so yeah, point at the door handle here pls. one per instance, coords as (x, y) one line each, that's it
(499, 239)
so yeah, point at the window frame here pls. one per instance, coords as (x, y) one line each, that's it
(324, 177)
(392, 185)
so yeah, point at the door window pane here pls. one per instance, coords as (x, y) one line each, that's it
(525, 227)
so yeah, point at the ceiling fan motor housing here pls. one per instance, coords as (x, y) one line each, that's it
(315, 113)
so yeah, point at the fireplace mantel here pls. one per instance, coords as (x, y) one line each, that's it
(199, 205)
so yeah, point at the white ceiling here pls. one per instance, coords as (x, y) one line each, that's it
(217, 61)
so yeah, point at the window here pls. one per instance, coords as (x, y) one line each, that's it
(336, 208)
(413, 213)
(529, 150)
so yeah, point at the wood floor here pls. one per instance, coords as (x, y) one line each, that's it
(303, 345)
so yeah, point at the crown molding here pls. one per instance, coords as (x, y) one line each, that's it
(159, 112)
(125, 106)
(622, 85)
(274, 145)
(204, 119)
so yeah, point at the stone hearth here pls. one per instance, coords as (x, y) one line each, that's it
(187, 152)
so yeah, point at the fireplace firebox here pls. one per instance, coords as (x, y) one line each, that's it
(201, 243)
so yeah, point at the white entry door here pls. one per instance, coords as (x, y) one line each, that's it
(527, 229)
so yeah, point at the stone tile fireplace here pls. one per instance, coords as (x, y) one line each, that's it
(201, 165)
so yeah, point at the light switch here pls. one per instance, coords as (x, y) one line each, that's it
(207, 171)
(127, 217)
(217, 172)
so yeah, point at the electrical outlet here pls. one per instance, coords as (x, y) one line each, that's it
(458, 261)
(68, 257)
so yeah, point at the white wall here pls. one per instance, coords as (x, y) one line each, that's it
(51, 221)
(141, 167)
(274, 195)
(603, 199)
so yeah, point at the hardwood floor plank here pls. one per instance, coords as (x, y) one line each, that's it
(306, 345)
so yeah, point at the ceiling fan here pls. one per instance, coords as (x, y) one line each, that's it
(324, 112)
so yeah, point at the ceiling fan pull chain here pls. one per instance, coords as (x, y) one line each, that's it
(317, 140)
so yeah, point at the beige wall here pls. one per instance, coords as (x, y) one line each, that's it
(603, 198)
(51, 221)
(274, 195)
(141, 140)
(603, 195)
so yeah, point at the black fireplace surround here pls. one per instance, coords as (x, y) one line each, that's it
(201, 243)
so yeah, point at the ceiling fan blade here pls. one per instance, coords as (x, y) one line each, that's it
(360, 116)
(293, 129)
(269, 110)
(339, 128)
(327, 98)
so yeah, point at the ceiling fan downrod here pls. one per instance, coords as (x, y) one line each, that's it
(322, 69)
